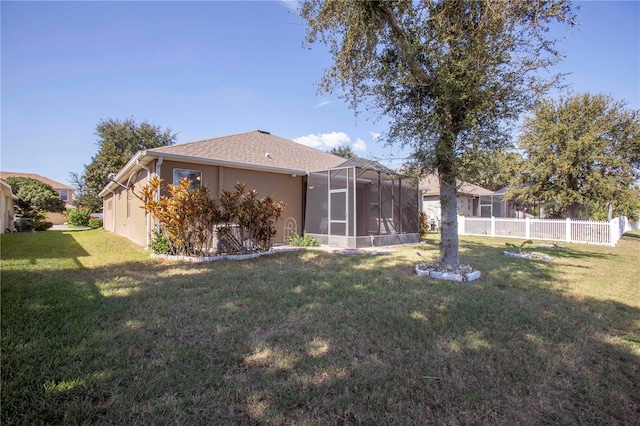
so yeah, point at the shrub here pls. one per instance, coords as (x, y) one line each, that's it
(303, 241)
(79, 217)
(159, 243)
(41, 225)
(188, 217)
(95, 223)
(424, 225)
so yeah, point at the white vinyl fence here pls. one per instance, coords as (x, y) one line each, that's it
(573, 231)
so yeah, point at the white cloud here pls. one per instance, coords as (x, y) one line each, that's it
(359, 145)
(292, 5)
(324, 140)
(375, 135)
(322, 103)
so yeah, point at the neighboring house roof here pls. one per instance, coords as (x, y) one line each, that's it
(364, 163)
(55, 185)
(6, 190)
(431, 186)
(256, 150)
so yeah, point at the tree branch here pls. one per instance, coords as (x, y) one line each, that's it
(403, 44)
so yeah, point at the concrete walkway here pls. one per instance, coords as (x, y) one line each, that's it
(68, 228)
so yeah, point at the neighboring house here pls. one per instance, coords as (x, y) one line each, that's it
(7, 200)
(270, 165)
(468, 197)
(497, 205)
(65, 192)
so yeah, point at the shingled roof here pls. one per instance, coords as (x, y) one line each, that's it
(256, 148)
(432, 183)
(54, 184)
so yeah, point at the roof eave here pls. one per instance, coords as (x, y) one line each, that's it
(129, 167)
(142, 156)
(7, 186)
(226, 163)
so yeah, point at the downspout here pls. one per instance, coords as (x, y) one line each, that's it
(379, 206)
(400, 206)
(146, 213)
(113, 213)
(159, 174)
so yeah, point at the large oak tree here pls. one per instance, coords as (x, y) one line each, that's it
(118, 141)
(35, 199)
(448, 75)
(582, 150)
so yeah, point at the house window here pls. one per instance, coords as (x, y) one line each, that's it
(64, 195)
(194, 176)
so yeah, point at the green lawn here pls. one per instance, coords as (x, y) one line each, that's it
(94, 332)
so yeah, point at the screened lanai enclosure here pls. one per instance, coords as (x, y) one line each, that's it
(359, 204)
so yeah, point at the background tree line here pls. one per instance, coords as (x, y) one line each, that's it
(118, 141)
(577, 155)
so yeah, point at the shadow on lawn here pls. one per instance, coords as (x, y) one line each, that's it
(39, 246)
(312, 337)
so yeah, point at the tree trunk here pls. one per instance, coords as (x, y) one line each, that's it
(449, 230)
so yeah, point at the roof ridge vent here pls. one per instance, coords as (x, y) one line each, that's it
(264, 131)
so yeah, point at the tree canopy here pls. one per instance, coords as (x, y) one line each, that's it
(342, 151)
(35, 198)
(118, 141)
(448, 75)
(582, 150)
(492, 170)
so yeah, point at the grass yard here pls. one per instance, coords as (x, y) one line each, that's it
(94, 332)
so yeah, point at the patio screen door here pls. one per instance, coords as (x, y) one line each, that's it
(339, 191)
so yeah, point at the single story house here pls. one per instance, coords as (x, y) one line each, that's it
(65, 192)
(337, 211)
(7, 200)
(468, 197)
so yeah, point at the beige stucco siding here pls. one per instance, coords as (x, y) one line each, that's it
(6, 211)
(282, 187)
(210, 174)
(123, 213)
(56, 218)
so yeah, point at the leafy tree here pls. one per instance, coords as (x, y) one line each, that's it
(35, 199)
(118, 141)
(492, 170)
(79, 217)
(342, 151)
(582, 150)
(448, 75)
(83, 196)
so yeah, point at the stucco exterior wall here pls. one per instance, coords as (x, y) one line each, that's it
(282, 187)
(465, 203)
(55, 218)
(6, 211)
(123, 213)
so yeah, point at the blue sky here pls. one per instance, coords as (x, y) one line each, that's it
(207, 69)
